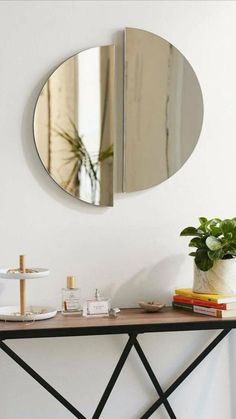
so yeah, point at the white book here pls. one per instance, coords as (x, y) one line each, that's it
(210, 311)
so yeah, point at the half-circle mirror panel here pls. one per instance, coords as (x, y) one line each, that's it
(163, 110)
(74, 125)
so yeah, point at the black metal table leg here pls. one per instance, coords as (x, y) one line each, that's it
(153, 378)
(40, 380)
(114, 376)
(185, 374)
(132, 342)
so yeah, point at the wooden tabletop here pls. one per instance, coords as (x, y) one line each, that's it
(128, 321)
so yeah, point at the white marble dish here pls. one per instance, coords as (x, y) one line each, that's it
(40, 273)
(151, 306)
(12, 313)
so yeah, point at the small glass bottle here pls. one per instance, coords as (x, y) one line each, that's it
(97, 306)
(71, 298)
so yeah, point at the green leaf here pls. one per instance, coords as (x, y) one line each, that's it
(214, 227)
(228, 226)
(215, 255)
(192, 254)
(231, 250)
(228, 236)
(216, 220)
(213, 243)
(202, 260)
(203, 222)
(190, 231)
(215, 231)
(196, 242)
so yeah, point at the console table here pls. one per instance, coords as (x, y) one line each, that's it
(131, 322)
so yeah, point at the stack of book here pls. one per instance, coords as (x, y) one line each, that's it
(212, 305)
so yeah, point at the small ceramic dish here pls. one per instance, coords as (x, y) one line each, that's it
(12, 313)
(151, 306)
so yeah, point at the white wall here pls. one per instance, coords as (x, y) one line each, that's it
(131, 251)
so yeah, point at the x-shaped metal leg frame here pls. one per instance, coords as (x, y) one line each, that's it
(132, 342)
(184, 375)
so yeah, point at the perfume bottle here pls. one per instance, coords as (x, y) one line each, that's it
(71, 298)
(97, 306)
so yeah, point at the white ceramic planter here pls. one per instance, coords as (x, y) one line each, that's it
(220, 279)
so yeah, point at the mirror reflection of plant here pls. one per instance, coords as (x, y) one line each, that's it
(214, 240)
(82, 160)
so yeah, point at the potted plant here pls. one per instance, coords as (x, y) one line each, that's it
(215, 255)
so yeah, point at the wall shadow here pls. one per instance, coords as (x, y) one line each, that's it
(156, 282)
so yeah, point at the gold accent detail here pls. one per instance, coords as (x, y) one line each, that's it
(71, 282)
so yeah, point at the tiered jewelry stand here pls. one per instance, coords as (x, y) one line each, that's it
(23, 313)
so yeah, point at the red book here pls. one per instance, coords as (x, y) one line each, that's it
(204, 303)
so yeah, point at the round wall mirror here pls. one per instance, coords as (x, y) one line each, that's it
(74, 119)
